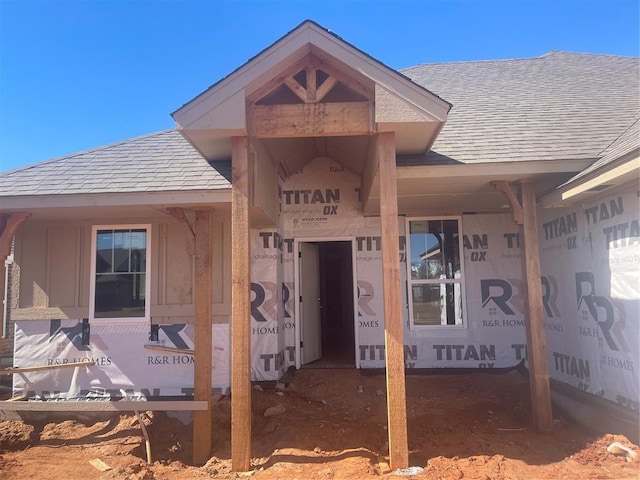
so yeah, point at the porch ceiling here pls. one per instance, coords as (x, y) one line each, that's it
(294, 153)
(454, 189)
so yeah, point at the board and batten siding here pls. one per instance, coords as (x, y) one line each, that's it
(50, 278)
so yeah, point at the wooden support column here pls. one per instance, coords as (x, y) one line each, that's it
(203, 299)
(393, 332)
(536, 338)
(9, 225)
(240, 308)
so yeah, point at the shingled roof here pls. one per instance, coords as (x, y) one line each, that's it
(560, 106)
(162, 161)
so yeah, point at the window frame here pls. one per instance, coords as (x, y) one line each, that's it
(92, 285)
(411, 282)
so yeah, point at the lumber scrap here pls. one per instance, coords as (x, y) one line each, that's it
(145, 434)
(17, 398)
(104, 406)
(40, 368)
(100, 465)
(163, 348)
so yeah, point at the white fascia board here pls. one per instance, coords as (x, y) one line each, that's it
(386, 77)
(497, 169)
(194, 197)
(287, 48)
(567, 194)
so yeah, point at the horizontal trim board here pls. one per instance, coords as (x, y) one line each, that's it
(116, 199)
(103, 406)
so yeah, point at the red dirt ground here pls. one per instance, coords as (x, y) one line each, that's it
(474, 426)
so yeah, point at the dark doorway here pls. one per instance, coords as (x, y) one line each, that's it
(336, 300)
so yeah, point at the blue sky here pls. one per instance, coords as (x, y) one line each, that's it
(76, 75)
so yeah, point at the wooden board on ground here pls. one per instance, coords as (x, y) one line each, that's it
(11, 371)
(100, 465)
(102, 406)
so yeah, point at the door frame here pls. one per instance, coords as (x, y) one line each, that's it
(296, 274)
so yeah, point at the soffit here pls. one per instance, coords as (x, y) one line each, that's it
(454, 189)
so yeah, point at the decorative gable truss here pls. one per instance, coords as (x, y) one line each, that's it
(311, 98)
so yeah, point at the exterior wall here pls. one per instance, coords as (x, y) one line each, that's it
(51, 274)
(590, 265)
(493, 332)
(50, 299)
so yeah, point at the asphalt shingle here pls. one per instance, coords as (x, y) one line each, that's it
(162, 161)
(558, 106)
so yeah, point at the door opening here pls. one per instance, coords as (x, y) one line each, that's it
(327, 323)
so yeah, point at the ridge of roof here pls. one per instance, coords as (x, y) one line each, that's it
(621, 137)
(517, 59)
(85, 152)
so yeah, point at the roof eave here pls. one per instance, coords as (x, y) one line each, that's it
(191, 198)
(622, 171)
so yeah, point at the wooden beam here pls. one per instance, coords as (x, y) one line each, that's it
(536, 339)
(9, 225)
(325, 88)
(164, 348)
(516, 209)
(40, 368)
(203, 300)
(346, 80)
(240, 308)
(311, 84)
(104, 406)
(311, 119)
(269, 86)
(296, 88)
(393, 332)
(178, 214)
(8, 229)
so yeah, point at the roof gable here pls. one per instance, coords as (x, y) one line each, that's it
(221, 109)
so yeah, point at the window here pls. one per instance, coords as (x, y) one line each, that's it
(120, 273)
(435, 272)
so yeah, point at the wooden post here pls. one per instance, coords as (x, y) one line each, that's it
(240, 308)
(536, 339)
(393, 334)
(203, 299)
(9, 225)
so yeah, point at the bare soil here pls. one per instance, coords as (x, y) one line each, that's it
(472, 426)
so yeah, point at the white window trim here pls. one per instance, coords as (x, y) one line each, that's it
(460, 281)
(92, 286)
